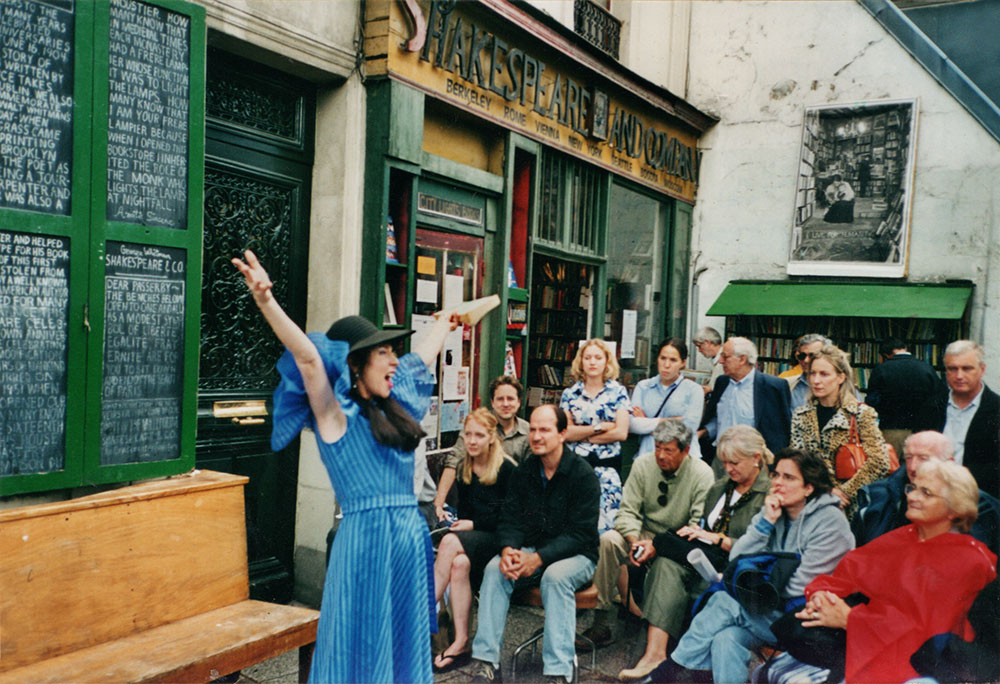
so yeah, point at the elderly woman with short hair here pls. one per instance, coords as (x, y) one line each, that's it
(919, 580)
(729, 505)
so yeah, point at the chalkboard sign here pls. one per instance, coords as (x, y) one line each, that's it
(143, 353)
(148, 86)
(34, 305)
(36, 105)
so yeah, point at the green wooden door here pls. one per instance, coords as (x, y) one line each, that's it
(258, 159)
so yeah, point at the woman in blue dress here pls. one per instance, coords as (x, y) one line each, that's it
(364, 405)
(598, 408)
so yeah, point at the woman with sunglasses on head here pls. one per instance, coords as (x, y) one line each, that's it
(827, 421)
(598, 408)
(364, 406)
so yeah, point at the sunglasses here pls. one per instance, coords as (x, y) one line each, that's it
(802, 356)
(664, 491)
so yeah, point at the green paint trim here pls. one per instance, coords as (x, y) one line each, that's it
(462, 173)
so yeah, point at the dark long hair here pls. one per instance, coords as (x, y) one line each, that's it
(391, 424)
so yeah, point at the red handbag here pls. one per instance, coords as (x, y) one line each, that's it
(851, 456)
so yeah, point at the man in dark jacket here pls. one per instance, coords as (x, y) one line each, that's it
(548, 536)
(969, 413)
(745, 396)
(882, 504)
(897, 388)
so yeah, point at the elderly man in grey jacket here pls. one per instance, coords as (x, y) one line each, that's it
(665, 491)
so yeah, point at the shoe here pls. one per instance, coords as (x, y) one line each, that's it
(600, 634)
(638, 672)
(455, 661)
(485, 672)
(555, 679)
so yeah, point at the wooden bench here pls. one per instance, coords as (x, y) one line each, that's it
(147, 583)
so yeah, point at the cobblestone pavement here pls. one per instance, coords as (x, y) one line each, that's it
(522, 622)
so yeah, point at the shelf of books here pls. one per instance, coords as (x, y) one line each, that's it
(775, 336)
(560, 303)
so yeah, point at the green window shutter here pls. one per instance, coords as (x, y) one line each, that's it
(118, 260)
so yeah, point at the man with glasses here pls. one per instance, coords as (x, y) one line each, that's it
(745, 396)
(882, 504)
(708, 342)
(665, 491)
(805, 347)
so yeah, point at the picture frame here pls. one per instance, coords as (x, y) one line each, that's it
(852, 208)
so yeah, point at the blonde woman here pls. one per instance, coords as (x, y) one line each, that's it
(823, 424)
(598, 408)
(483, 477)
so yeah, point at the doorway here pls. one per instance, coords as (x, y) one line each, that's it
(258, 176)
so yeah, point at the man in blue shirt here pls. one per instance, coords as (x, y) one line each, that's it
(745, 396)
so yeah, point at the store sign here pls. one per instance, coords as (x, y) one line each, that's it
(439, 206)
(442, 51)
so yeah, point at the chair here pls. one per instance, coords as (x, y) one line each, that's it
(586, 598)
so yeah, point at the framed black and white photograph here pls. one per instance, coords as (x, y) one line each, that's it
(854, 190)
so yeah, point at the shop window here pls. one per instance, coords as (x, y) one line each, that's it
(571, 202)
(634, 307)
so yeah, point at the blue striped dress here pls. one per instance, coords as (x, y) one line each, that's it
(378, 599)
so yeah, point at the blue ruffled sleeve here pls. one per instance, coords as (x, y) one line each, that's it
(292, 412)
(412, 385)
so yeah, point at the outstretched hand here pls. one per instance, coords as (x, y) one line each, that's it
(257, 280)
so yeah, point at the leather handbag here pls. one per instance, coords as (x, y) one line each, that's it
(851, 456)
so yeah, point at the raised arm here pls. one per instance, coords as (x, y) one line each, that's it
(330, 420)
(430, 346)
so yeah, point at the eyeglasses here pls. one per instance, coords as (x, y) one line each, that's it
(923, 491)
(665, 490)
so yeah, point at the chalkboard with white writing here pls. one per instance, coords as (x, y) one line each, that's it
(34, 307)
(36, 105)
(143, 353)
(148, 92)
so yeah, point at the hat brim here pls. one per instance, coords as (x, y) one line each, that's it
(379, 338)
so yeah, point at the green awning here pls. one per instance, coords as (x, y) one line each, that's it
(784, 298)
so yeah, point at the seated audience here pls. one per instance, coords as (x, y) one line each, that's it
(800, 515)
(882, 504)
(505, 402)
(667, 395)
(730, 504)
(472, 540)
(917, 581)
(665, 491)
(824, 423)
(548, 537)
(598, 408)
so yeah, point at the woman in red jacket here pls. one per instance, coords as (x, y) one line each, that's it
(920, 579)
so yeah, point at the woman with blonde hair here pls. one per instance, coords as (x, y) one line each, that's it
(598, 408)
(483, 477)
(831, 415)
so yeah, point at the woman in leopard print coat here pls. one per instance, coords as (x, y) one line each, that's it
(832, 403)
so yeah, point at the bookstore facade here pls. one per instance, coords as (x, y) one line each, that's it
(505, 156)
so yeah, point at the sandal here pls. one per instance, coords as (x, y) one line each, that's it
(454, 661)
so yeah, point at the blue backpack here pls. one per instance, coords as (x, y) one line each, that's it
(756, 581)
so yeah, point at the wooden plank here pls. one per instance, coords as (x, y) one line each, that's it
(87, 575)
(197, 649)
(196, 480)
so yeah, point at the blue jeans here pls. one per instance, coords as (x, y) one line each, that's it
(720, 637)
(560, 580)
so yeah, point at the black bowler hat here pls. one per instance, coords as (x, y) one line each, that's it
(361, 333)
